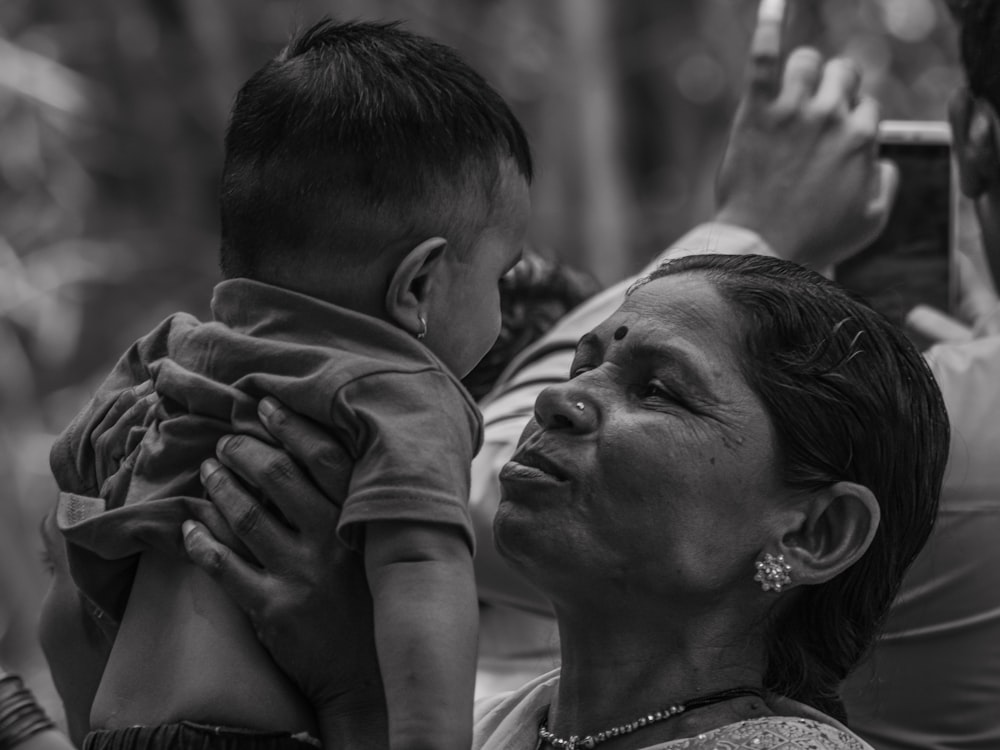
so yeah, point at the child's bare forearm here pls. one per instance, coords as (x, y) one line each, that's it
(360, 727)
(426, 617)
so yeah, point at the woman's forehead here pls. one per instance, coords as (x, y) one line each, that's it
(683, 305)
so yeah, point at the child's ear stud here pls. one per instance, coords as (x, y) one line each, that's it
(423, 328)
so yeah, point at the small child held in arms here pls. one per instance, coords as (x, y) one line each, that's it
(374, 192)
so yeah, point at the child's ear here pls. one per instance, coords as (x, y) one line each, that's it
(412, 283)
(975, 137)
(833, 528)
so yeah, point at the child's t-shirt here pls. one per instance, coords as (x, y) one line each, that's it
(407, 422)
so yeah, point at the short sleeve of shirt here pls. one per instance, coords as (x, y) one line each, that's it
(415, 435)
(967, 376)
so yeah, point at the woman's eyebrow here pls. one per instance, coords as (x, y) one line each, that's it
(589, 345)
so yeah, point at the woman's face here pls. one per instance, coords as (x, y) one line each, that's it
(652, 470)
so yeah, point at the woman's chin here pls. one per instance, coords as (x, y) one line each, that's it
(526, 491)
(513, 534)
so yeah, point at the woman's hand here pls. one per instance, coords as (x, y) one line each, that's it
(802, 167)
(305, 594)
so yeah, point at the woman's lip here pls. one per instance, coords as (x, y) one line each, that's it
(519, 472)
(539, 463)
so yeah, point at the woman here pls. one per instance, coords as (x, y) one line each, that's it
(720, 503)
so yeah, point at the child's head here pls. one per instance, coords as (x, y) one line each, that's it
(373, 168)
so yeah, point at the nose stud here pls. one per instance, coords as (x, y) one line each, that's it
(579, 406)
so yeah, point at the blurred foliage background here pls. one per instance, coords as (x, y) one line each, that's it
(112, 114)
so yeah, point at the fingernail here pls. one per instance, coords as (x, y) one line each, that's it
(220, 447)
(142, 390)
(187, 528)
(208, 468)
(266, 407)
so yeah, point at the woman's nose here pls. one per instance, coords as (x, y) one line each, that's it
(560, 407)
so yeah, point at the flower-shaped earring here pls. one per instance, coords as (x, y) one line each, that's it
(772, 572)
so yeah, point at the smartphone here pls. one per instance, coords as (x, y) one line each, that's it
(911, 263)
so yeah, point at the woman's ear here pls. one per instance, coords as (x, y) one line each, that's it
(411, 284)
(835, 528)
(975, 137)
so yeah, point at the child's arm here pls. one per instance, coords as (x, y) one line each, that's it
(426, 618)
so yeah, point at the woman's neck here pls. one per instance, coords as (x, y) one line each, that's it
(614, 672)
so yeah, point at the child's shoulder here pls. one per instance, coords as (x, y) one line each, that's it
(158, 340)
(400, 399)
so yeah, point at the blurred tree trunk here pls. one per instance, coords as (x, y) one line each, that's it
(593, 126)
(212, 28)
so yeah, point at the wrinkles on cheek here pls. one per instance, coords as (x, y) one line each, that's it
(742, 419)
(733, 441)
(730, 427)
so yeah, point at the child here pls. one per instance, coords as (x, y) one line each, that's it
(375, 190)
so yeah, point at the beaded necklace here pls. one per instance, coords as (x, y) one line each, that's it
(545, 737)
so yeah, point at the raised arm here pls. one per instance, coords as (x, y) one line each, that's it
(801, 167)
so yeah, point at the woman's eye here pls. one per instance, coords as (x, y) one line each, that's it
(656, 389)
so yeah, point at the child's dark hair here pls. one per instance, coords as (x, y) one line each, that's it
(359, 139)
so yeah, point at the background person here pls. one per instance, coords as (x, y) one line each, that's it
(933, 679)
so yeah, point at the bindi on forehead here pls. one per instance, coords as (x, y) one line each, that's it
(621, 333)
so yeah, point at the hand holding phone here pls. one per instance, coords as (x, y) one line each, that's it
(800, 169)
(910, 263)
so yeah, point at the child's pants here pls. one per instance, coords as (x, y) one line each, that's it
(191, 736)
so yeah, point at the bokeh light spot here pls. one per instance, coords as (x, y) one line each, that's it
(909, 20)
(700, 78)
